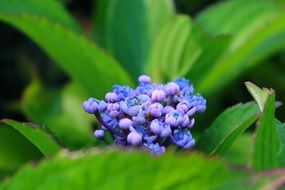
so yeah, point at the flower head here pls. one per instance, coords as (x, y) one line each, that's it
(149, 117)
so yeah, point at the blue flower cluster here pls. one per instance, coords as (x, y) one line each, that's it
(150, 117)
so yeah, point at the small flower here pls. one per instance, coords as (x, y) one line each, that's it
(99, 134)
(122, 91)
(125, 123)
(158, 95)
(156, 127)
(172, 88)
(144, 79)
(90, 105)
(155, 109)
(155, 149)
(174, 118)
(111, 97)
(183, 138)
(134, 138)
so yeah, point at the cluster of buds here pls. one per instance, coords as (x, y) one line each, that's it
(152, 116)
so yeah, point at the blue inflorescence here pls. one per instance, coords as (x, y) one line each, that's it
(150, 117)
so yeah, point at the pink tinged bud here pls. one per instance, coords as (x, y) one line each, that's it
(156, 127)
(172, 88)
(158, 95)
(134, 138)
(155, 109)
(111, 97)
(125, 123)
(144, 79)
(99, 134)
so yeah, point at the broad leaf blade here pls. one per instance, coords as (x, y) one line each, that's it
(266, 142)
(129, 36)
(50, 9)
(176, 47)
(15, 149)
(281, 138)
(254, 38)
(227, 127)
(39, 136)
(107, 170)
(88, 65)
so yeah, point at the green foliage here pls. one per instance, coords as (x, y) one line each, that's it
(109, 169)
(49, 9)
(144, 36)
(257, 30)
(64, 45)
(41, 137)
(281, 139)
(266, 142)
(128, 38)
(55, 109)
(171, 46)
(228, 126)
(11, 156)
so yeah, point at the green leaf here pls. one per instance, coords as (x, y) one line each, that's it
(238, 154)
(122, 170)
(258, 31)
(40, 137)
(15, 149)
(266, 142)
(182, 47)
(260, 95)
(50, 9)
(227, 127)
(87, 64)
(129, 36)
(281, 138)
(60, 110)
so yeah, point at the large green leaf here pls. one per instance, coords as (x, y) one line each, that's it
(127, 28)
(41, 137)
(82, 60)
(15, 149)
(238, 154)
(49, 9)
(258, 30)
(181, 46)
(281, 138)
(119, 170)
(227, 127)
(60, 110)
(266, 142)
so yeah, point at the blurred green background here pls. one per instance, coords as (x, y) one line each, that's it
(22, 60)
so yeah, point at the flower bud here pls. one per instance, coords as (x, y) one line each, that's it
(158, 95)
(125, 123)
(99, 134)
(134, 138)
